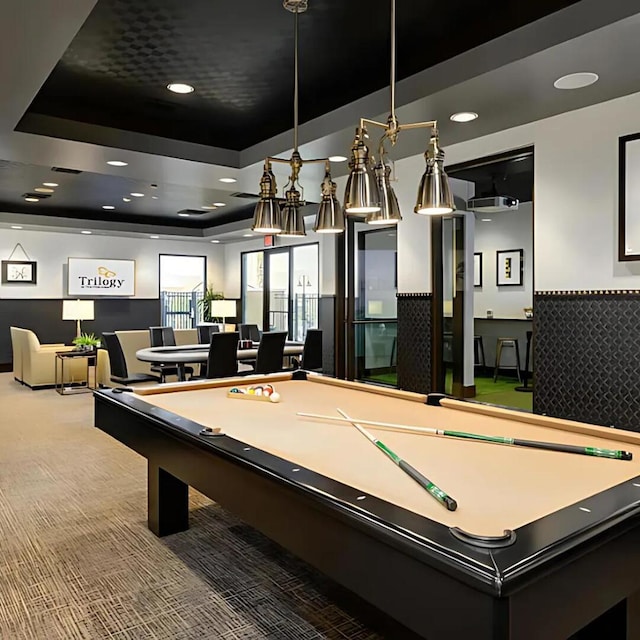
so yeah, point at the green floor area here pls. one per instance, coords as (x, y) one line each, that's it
(501, 392)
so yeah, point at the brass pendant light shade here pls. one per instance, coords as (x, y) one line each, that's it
(266, 217)
(361, 194)
(292, 220)
(330, 218)
(389, 212)
(434, 194)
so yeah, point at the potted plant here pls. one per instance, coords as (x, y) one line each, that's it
(86, 342)
(204, 303)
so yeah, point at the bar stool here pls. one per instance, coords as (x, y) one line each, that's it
(478, 353)
(507, 343)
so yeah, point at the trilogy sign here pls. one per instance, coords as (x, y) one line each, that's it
(101, 277)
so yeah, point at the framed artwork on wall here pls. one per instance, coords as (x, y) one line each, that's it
(509, 267)
(19, 272)
(628, 197)
(477, 269)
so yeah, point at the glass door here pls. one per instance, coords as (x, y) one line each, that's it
(278, 291)
(253, 287)
(305, 285)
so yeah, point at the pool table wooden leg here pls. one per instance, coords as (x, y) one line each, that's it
(168, 502)
(633, 616)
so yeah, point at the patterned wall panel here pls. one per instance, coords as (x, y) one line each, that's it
(587, 356)
(414, 341)
(326, 322)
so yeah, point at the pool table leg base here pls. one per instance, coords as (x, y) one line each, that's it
(168, 502)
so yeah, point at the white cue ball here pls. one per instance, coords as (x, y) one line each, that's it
(274, 397)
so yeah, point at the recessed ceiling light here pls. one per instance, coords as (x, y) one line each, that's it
(180, 87)
(337, 158)
(154, 237)
(126, 199)
(50, 184)
(247, 235)
(32, 199)
(15, 226)
(576, 80)
(210, 207)
(108, 207)
(464, 116)
(86, 233)
(154, 197)
(117, 163)
(137, 195)
(219, 204)
(213, 241)
(228, 180)
(43, 190)
(486, 219)
(183, 215)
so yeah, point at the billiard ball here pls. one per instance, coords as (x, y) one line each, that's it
(274, 397)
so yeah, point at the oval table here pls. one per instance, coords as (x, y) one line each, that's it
(182, 355)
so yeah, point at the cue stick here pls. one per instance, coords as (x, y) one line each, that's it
(423, 481)
(614, 454)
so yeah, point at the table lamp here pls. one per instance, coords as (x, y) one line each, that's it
(77, 310)
(223, 309)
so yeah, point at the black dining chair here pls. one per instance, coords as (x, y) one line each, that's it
(118, 364)
(205, 331)
(270, 352)
(249, 332)
(312, 351)
(223, 355)
(162, 337)
(165, 337)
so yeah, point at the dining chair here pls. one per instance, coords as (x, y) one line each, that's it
(223, 355)
(165, 337)
(118, 364)
(312, 350)
(249, 332)
(205, 331)
(270, 352)
(162, 337)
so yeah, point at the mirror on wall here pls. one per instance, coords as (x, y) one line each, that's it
(497, 194)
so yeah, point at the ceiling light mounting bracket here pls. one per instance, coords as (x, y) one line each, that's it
(296, 6)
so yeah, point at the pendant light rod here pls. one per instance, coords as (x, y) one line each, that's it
(393, 63)
(295, 84)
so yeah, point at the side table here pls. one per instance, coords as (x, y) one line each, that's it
(80, 386)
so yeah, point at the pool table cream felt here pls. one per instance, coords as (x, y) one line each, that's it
(497, 487)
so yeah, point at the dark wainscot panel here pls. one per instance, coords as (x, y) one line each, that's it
(414, 342)
(587, 356)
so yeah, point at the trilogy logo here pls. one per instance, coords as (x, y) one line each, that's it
(106, 279)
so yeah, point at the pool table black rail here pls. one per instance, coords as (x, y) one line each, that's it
(540, 546)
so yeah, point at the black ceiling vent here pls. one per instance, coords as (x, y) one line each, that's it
(246, 196)
(194, 212)
(40, 196)
(64, 170)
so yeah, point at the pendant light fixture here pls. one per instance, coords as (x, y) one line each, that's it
(289, 222)
(369, 188)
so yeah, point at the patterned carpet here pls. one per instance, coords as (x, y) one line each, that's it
(77, 560)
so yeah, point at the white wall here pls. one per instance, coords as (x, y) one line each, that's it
(51, 251)
(576, 191)
(507, 230)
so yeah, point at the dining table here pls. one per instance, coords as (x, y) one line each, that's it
(182, 355)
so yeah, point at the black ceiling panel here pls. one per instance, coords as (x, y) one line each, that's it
(239, 56)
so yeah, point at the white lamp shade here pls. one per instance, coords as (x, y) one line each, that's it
(77, 310)
(223, 308)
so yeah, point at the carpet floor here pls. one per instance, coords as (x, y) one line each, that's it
(78, 562)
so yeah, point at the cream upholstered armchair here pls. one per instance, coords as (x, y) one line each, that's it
(34, 363)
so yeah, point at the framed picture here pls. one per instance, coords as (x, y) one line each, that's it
(477, 269)
(509, 267)
(628, 197)
(19, 272)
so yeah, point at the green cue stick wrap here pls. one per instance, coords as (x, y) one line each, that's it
(422, 480)
(616, 454)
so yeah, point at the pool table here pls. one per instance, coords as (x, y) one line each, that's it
(541, 542)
